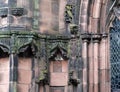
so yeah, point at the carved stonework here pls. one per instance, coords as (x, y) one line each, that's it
(58, 53)
(69, 16)
(58, 43)
(117, 12)
(73, 79)
(16, 43)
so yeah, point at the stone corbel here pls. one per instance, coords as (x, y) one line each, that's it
(73, 78)
(73, 29)
(43, 77)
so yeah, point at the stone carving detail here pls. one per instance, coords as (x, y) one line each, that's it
(117, 12)
(73, 79)
(69, 19)
(16, 43)
(58, 53)
(69, 16)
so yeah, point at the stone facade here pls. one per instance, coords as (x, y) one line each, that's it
(58, 45)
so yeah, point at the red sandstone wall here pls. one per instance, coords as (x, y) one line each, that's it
(52, 16)
(24, 74)
(59, 78)
(4, 75)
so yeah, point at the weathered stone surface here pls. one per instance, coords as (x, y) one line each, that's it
(23, 88)
(4, 77)
(24, 76)
(58, 79)
(4, 88)
(25, 63)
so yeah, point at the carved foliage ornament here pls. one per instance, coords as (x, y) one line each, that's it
(58, 53)
(15, 43)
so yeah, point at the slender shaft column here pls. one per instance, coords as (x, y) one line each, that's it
(91, 67)
(96, 60)
(85, 64)
(13, 73)
(104, 66)
(84, 15)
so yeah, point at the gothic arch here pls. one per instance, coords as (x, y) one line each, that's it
(95, 19)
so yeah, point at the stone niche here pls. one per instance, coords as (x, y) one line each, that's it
(58, 66)
(58, 73)
(25, 70)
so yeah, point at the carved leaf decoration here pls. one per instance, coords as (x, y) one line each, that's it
(58, 52)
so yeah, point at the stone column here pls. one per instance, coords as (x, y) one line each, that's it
(104, 66)
(90, 66)
(84, 15)
(13, 73)
(95, 59)
(96, 40)
(85, 63)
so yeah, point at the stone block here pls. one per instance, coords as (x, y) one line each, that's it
(58, 79)
(4, 64)
(4, 77)
(64, 66)
(23, 88)
(25, 63)
(4, 88)
(24, 76)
